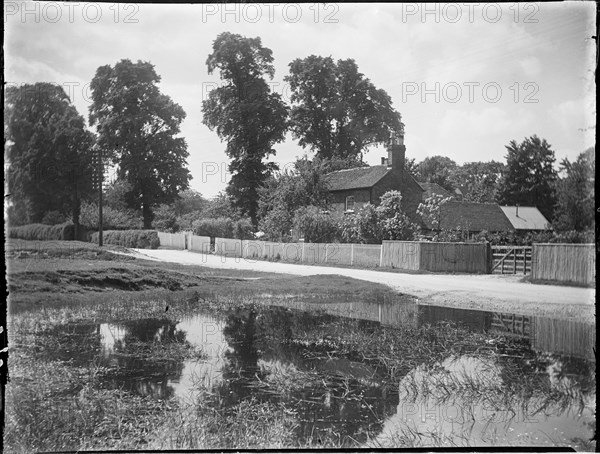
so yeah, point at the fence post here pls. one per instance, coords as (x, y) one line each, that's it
(302, 259)
(381, 256)
(489, 256)
(351, 254)
(525, 261)
(326, 244)
(515, 261)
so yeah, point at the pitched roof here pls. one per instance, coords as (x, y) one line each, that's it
(358, 177)
(434, 188)
(473, 217)
(529, 218)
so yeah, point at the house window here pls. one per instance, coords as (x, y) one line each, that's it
(350, 203)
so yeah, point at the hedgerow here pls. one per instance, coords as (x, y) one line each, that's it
(43, 232)
(143, 239)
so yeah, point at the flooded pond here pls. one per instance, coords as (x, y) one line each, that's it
(530, 381)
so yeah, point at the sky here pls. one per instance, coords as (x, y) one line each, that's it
(466, 78)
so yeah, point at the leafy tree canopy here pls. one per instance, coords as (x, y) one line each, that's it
(478, 180)
(436, 169)
(246, 114)
(530, 176)
(137, 128)
(336, 111)
(575, 209)
(49, 151)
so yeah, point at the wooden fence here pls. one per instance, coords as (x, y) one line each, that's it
(405, 255)
(228, 247)
(511, 259)
(313, 253)
(572, 263)
(198, 243)
(172, 240)
(441, 257)
(454, 257)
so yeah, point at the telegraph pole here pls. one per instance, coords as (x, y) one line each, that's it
(100, 183)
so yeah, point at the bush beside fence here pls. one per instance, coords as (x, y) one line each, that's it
(141, 239)
(570, 263)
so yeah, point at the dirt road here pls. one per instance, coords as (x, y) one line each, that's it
(489, 292)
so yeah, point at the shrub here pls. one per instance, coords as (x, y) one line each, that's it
(112, 219)
(573, 236)
(43, 232)
(361, 226)
(54, 217)
(142, 239)
(317, 226)
(243, 229)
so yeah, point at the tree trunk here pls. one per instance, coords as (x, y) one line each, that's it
(148, 215)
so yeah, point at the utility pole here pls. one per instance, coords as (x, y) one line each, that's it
(100, 180)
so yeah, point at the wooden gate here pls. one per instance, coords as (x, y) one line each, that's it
(511, 259)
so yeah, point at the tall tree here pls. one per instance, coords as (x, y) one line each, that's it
(436, 169)
(530, 176)
(246, 114)
(336, 111)
(575, 208)
(48, 149)
(137, 128)
(478, 180)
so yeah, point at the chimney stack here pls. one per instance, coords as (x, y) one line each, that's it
(396, 152)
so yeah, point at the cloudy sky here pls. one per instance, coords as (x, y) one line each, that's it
(467, 79)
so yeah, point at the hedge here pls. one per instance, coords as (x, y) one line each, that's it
(43, 232)
(143, 239)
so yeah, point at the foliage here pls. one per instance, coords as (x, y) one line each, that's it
(112, 219)
(437, 169)
(291, 189)
(336, 111)
(431, 212)
(223, 228)
(575, 208)
(53, 218)
(246, 114)
(392, 222)
(137, 128)
(530, 176)
(316, 225)
(528, 238)
(477, 180)
(42, 232)
(361, 227)
(143, 239)
(220, 206)
(115, 196)
(49, 152)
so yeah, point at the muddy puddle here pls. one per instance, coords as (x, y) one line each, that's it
(539, 391)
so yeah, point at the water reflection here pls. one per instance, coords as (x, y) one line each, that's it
(564, 337)
(510, 398)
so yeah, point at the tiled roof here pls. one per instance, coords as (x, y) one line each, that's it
(473, 216)
(358, 177)
(529, 218)
(433, 188)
